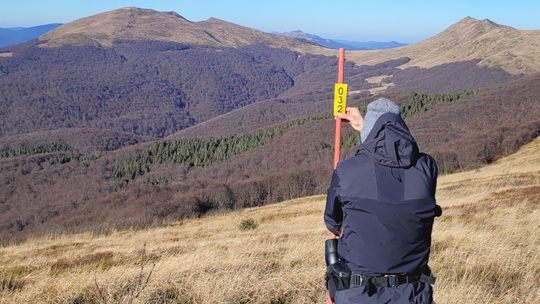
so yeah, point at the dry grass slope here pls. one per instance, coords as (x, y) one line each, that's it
(486, 250)
(133, 23)
(515, 51)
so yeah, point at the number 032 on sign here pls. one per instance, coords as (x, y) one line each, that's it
(340, 98)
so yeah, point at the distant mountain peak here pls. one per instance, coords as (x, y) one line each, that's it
(485, 24)
(470, 29)
(140, 12)
(472, 19)
(133, 23)
(336, 44)
(493, 44)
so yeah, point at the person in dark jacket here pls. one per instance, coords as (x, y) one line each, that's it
(381, 204)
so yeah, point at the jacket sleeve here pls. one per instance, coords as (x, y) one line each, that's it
(333, 215)
(434, 176)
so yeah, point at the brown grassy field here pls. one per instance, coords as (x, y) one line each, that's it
(486, 249)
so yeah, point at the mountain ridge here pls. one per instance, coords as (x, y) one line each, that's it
(516, 51)
(513, 50)
(16, 35)
(346, 44)
(145, 24)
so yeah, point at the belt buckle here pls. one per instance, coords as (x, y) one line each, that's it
(358, 280)
(361, 281)
(393, 280)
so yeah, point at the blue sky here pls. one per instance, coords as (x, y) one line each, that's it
(405, 20)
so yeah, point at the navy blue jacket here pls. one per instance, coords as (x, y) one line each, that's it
(384, 200)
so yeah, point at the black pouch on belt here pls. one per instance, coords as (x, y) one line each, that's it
(338, 277)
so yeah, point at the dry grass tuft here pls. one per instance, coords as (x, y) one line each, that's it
(100, 260)
(486, 249)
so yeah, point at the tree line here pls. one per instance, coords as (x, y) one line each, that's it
(421, 102)
(416, 103)
(203, 152)
(31, 150)
(195, 152)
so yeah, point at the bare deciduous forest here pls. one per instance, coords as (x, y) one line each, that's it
(78, 191)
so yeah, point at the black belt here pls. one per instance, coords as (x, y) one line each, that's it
(389, 280)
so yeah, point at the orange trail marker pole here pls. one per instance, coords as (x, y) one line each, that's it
(337, 140)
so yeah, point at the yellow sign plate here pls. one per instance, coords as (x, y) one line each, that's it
(340, 98)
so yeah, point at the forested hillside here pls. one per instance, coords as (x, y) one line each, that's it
(146, 88)
(154, 183)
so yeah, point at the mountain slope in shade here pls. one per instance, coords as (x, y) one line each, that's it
(146, 24)
(83, 140)
(149, 88)
(515, 51)
(10, 36)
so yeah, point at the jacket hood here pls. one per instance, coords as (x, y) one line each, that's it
(390, 142)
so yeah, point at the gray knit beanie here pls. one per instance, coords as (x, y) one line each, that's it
(375, 110)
